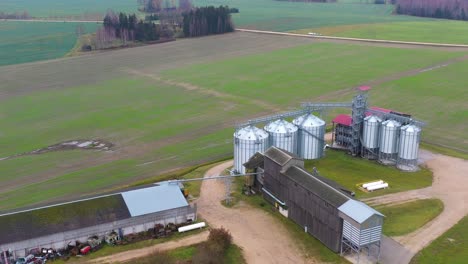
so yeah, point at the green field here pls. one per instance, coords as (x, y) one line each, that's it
(285, 16)
(438, 31)
(184, 119)
(29, 41)
(58, 8)
(451, 247)
(311, 72)
(405, 218)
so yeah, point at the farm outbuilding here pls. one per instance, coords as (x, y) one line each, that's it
(127, 212)
(322, 207)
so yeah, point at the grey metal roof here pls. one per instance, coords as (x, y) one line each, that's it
(358, 211)
(316, 186)
(154, 199)
(280, 156)
(256, 161)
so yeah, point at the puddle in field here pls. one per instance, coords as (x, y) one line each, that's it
(85, 144)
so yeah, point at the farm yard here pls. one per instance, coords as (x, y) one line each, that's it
(143, 107)
(77, 127)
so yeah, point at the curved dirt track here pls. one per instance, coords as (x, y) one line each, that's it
(450, 181)
(262, 238)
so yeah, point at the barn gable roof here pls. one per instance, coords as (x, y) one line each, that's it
(280, 156)
(358, 211)
(316, 185)
(256, 161)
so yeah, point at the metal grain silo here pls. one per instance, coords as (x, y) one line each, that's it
(389, 134)
(282, 135)
(248, 141)
(370, 137)
(311, 136)
(410, 136)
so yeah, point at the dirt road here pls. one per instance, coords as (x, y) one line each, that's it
(262, 238)
(126, 256)
(388, 43)
(450, 181)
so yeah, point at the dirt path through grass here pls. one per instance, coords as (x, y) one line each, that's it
(210, 92)
(450, 181)
(262, 238)
(127, 256)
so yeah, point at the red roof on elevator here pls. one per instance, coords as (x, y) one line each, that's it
(343, 119)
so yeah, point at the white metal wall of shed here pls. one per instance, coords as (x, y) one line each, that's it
(361, 237)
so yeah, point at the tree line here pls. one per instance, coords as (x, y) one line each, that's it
(310, 1)
(448, 9)
(15, 15)
(209, 20)
(128, 28)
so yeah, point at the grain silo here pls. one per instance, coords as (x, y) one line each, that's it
(370, 137)
(283, 135)
(248, 141)
(389, 135)
(410, 136)
(311, 136)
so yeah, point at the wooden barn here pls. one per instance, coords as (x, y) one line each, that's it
(308, 199)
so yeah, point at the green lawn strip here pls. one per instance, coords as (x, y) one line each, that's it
(451, 247)
(444, 151)
(433, 31)
(350, 171)
(402, 219)
(234, 255)
(289, 76)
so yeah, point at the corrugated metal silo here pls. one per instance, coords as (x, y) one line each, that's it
(248, 141)
(410, 136)
(389, 135)
(283, 135)
(311, 136)
(370, 137)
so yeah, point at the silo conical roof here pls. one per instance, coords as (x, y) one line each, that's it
(251, 133)
(308, 120)
(280, 126)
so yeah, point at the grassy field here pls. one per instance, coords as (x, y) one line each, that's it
(438, 96)
(350, 171)
(159, 126)
(264, 76)
(28, 41)
(185, 254)
(58, 8)
(438, 31)
(405, 218)
(285, 16)
(451, 247)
